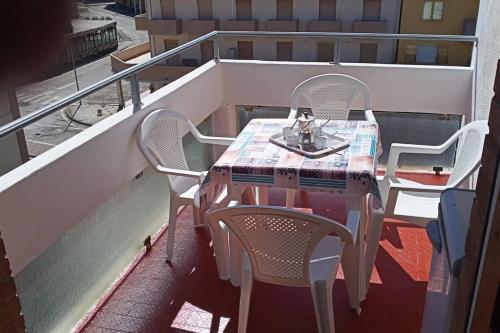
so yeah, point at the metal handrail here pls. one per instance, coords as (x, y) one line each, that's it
(131, 73)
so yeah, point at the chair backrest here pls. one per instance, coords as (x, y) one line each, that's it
(330, 95)
(279, 241)
(160, 140)
(469, 150)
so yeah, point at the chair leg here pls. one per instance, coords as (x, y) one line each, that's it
(323, 305)
(172, 219)
(262, 196)
(352, 272)
(245, 296)
(220, 241)
(372, 242)
(290, 198)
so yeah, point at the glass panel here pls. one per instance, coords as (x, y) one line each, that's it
(426, 14)
(395, 127)
(437, 13)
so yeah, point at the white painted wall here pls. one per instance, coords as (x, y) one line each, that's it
(488, 53)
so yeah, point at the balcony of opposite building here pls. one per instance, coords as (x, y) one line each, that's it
(370, 26)
(326, 26)
(196, 28)
(238, 25)
(158, 26)
(127, 58)
(282, 26)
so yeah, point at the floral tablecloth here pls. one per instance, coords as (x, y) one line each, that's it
(253, 160)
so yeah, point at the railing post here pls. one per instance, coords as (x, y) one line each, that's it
(136, 93)
(216, 49)
(336, 55)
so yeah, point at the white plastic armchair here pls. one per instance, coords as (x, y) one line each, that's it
(290, 248)
(330, 96)
(160, 140)
(418, 203)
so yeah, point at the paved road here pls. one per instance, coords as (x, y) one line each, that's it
(50, 131)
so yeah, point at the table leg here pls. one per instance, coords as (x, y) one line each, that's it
(262, 196)
(376, 217)
(353, 264)
(290, 197)
(235, 246)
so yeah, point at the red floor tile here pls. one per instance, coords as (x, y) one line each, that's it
(187, 296)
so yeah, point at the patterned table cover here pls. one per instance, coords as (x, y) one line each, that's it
(253, 160)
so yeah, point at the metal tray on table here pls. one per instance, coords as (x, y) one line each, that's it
(336, 144)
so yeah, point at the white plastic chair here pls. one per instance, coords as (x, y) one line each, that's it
(160, 140)
(418, 203)
(329, 96)
(289, 248)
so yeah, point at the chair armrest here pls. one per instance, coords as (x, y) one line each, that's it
(353, 224)
(292, 114)
(369, 115)
(180, 172)
(214, 140)
(400, 148)
(417, 188)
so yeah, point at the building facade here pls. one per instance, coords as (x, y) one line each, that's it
(442, 17)
(173, 22)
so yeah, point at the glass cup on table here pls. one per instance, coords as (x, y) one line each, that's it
(321, 142)
(287, 131)
(292, 140)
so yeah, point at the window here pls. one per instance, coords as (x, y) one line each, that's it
(169, 45)
(284, 51)
(427, 54)
(371, 10)
(327, 10)
(325, 51)
(284, 10)
(368, 52)
(244, 10)
(411, 54)
(207, 51)
(205, 10)
(168, 9)
(433, 10)
(245, 50)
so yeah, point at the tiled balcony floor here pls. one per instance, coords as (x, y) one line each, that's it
(189, 297)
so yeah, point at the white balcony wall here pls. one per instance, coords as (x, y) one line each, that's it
(399, 88)
(186, 9)
(66, 192)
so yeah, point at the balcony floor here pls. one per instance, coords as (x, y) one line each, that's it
(189, 297)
